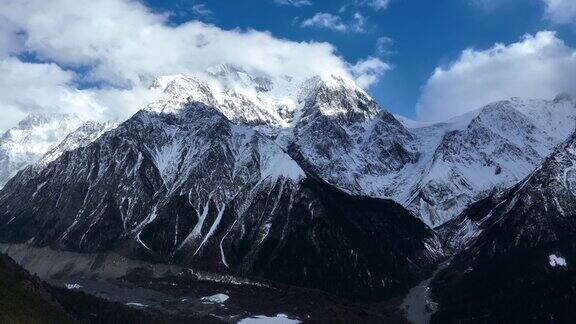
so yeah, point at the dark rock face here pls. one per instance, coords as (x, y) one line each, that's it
(325, 235)
(520, 265)
(347, 140)
(194, 189)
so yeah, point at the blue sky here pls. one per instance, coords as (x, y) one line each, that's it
(424, 59)
(425, 34)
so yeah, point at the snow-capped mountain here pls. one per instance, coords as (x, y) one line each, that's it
(180, 182)
(286, 180)
(327, 123)
(519, 248)
(469, 157)
(85, 134)
(26, 143)
(343, 137)
(338, 133)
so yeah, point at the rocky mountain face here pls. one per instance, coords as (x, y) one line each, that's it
(342, 136)
(181, 183)
(26, 143)
(248, 175)
(518, 253)
(334, 130)
(472, 156)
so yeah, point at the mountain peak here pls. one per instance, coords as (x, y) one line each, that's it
(336, 96)
(31, 139)
(564, 96)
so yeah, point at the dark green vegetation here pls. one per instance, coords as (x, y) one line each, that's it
(517, 287)
(510, 273)
(26, 299)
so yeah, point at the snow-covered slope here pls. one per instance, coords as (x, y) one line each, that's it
(26, 143)
(85, 134)
(189, 186)
(342, 136)
(327, 123)
(519, 250)
(339, 134)
(467, 158)
(547, 193)
(258, 101)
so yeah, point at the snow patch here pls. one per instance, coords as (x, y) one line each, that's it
(215, 299)
(73, 286)
(261, 319)
(557, 261)
(138, 305)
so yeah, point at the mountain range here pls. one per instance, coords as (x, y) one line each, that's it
(308, 183)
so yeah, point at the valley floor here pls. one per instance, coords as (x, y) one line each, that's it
(190, 297)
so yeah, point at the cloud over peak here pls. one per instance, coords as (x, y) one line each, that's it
(121, 45)
(537, 66)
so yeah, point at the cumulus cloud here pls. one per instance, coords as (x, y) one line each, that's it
(325, 20)
(557, 11)
(377, 4)
(335, 22)
(293, 3)
(538, 66)
(561, 11)
(121, 45)
(28, 87)
(368, 71)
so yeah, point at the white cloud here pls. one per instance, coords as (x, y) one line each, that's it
(334, 22)
(561, 11)
(124, 45)
(293, 3)
(358, 22)
(373, 4)
(384, 46)
(368, 71)
(325, 20)
(378, 4)
(201, 9)
(557, 11)
(28, 87)
(539, 66)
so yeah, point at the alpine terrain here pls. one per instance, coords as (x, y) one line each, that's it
(516, 250)
(270, 183)
(184, 182)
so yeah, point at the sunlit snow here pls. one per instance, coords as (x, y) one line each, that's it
(261, 319)
(557, 261)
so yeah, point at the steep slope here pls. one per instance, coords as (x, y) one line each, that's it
(327, 123)
(341, 135)
(338, 133)
(518, 264)
(85, 134)
(188, 186)
(26, 143)
(25, 299)
(469, 157)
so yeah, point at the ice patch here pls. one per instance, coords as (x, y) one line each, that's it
(215, 299)
(261, 319)
(557, 261)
